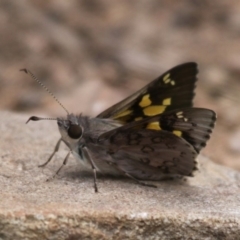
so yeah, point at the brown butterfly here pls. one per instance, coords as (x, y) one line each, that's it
(153, 134)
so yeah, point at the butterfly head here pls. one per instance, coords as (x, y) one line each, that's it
(70, 128)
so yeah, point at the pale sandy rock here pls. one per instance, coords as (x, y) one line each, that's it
(205, 207)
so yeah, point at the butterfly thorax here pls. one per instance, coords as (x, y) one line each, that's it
(79, 132)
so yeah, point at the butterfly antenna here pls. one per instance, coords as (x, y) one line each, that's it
(46, 89)
(34, 118)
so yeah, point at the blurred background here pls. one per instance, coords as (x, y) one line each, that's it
(93, 53)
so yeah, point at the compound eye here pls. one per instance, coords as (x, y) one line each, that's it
(74, 131)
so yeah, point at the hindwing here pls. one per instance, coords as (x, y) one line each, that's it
(194, 125)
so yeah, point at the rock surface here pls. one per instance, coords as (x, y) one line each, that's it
(204, 207)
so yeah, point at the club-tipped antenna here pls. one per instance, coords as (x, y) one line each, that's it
(34, 118)
(45, 88)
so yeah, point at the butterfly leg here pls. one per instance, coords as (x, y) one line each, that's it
(63, 164)
(51, 156)
(88, 157)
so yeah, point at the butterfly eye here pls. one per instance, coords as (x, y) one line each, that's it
(74, 131)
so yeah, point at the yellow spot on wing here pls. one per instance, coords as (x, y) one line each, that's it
(122, 114)
(154, 126)
(145, 101)
(154, 110)
(180, 115)
(166, 101)
(166, 78)
(178, 133)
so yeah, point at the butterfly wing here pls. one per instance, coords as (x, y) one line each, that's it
(172, 90)
(151, 153)
(192, 124)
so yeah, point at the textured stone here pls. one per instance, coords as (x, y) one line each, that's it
(204, 207)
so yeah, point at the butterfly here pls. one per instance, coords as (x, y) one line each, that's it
(152, 135)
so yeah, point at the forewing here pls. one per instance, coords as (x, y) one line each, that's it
(172, 90)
